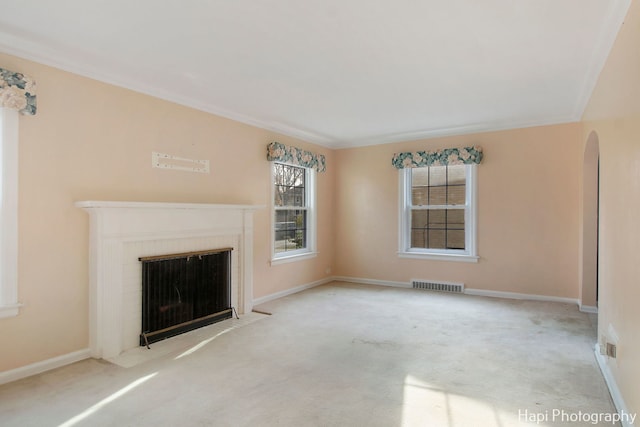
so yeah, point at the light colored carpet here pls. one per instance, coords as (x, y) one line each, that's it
(344, 355)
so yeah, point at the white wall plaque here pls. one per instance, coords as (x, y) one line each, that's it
(167, 161)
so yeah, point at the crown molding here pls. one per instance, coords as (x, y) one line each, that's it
(456, 130)
(613, 21)
(34, 51)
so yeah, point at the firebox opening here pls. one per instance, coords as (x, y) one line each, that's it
(184, 291)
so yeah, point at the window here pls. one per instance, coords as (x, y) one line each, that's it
(8, 212)
(438, 212)
(293, 212)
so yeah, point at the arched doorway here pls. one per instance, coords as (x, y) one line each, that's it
(590, 196)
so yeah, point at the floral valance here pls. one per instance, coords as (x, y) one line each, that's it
(277, 152)
(17, 92)
(446, 156)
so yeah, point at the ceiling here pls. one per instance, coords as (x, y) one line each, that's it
(338, 73)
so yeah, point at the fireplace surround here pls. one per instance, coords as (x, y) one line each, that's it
(122, 232)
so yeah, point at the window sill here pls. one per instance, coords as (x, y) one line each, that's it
(9, 310)
(439, 257)
(293, 258)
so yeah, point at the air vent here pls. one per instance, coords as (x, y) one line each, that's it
(430, 285)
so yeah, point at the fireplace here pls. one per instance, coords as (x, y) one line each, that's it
(184, 291)
(123, 232)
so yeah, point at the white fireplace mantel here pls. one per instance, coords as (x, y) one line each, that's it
(120, 232)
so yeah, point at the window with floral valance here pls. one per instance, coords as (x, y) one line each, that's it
(438, 203)
(17, 96)
(293, 198)
(277, 152)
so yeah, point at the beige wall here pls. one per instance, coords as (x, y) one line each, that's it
(528, 194)
(613, 114)
(93, 141)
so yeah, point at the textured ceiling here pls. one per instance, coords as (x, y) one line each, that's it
(338, 73)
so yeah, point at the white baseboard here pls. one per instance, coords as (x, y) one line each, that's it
(291, 291)
(372, 281)
(468, 291)
(588, 309)
(516, 295)
(45, 365)
(616, 395)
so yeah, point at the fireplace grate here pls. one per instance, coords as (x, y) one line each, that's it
(184, 291)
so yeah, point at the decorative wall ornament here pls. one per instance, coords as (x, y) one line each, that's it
(17, 92)
(168, 161)
(444, 157)
(277, 152)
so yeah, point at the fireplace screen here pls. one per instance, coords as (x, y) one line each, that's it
(181, 292)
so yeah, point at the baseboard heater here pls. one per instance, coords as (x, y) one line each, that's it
(430, 285)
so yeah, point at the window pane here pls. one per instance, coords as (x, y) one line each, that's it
(438, 185)
(419, 218)
(419, 196)
(438, 229)
(456, 195)
(289, 184)
(438, 195)
(420, 177)
(290, 230)
(418, 238)
(437, 239)
(456, 174)
(292, 196)
(455, 229)
(437, 218)
(437, 175)
(455, 239)
(419, 186)
(456, 179)
(455, 218)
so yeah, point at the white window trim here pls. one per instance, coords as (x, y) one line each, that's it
(470, 254)
(310, 193)
(9, 305)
